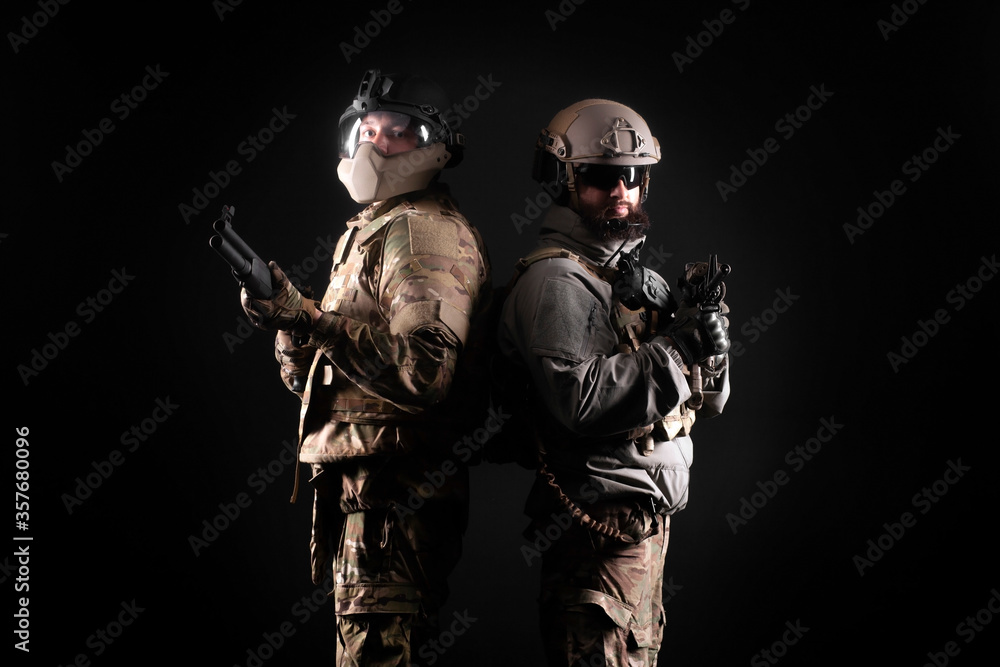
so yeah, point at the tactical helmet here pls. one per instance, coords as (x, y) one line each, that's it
(368, 174)
(589, 136)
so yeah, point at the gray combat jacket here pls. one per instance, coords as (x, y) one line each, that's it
(558, 323)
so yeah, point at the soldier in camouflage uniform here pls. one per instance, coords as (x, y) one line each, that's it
(384, 353)
(619, 371)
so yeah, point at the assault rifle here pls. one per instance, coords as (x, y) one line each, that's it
(250, 271)
(702, 283)
(702, 286)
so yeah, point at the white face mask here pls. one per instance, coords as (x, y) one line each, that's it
(370, 176)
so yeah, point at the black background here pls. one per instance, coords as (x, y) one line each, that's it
(173, 332)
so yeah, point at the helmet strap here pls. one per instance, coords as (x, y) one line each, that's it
(574, 198)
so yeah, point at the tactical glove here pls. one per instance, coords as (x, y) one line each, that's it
(699, 334)
(295, 360)
(637, 286)
(286, 310)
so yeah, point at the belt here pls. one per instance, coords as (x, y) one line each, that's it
(362, 405)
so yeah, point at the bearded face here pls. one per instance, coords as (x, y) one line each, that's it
(615, 214)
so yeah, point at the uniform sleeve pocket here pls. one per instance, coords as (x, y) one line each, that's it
(565, 320)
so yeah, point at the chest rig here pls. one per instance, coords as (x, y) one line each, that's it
(354, 283)
(640, 300)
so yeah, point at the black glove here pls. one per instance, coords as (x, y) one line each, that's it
(699, 334)
(636, 287)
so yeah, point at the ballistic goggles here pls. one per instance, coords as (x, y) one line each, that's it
(606, 176)
(353, 130)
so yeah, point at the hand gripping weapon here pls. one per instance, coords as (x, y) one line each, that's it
(250, 271)
(702, 286)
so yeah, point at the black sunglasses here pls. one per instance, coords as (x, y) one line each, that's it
(606, 176)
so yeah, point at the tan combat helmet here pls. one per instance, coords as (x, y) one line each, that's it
(367, 173)
(595, 132)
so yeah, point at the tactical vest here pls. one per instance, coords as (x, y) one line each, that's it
(356, 273)
(632, 327)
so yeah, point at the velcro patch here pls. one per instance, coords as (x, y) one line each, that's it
(433, 236)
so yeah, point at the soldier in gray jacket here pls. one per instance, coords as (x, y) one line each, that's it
(619, 370)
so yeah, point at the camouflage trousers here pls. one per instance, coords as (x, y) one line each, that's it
(390, 569)
(601, 601)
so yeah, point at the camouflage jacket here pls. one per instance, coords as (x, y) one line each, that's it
(559, 321)
(404, 294)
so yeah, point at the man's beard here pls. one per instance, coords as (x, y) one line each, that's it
(608, 227)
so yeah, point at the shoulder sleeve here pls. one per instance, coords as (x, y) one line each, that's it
(434, 269)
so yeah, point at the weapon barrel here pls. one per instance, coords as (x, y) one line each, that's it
(248, 268)
(716, 272)
(240, 264)
(224, 229)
